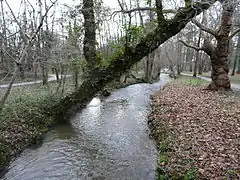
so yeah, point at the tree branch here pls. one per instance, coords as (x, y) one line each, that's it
(9, 55)
(15, 19)
(234, 33)
(160, 16)
(204, 28)
(165, 11)
(191, 46)
(42, 19)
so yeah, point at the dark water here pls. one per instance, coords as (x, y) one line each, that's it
(107, 140)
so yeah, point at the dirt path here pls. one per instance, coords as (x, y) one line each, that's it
(51, 77)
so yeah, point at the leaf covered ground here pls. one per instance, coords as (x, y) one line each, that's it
(197, 132)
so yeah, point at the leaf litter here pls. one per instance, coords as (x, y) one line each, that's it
(199, 126)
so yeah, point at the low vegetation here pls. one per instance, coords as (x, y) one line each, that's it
(233, 79)
(196, 131)
(25, 117)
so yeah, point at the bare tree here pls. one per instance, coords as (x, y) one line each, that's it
(23, 52)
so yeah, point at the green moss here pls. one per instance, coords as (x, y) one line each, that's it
(162, 158)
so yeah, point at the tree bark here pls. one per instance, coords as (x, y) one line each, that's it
(90, 33)
(219, 56)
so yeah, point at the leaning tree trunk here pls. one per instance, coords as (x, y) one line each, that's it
(98, 77)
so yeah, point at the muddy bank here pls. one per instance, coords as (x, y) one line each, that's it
(197, 132)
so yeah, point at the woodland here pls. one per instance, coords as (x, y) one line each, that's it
(55, 57)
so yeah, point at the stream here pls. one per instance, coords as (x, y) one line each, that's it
(107, 140)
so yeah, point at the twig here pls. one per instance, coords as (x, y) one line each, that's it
(191, 46)
(234, 33)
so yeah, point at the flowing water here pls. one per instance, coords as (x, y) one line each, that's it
(106, 140)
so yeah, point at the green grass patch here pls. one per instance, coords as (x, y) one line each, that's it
(193, 81)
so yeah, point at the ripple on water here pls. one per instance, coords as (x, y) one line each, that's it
(107, 140)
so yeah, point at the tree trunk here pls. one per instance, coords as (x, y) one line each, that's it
(237, 58)
(234, 65)
(90, 33)
(238, 65)
(22, 71)
(57, 74)
(44, 76)
(196, 64)
(219, 75)
(201, 63)
(197, 55)
(149, 67)
(179, 58)
(219, 56)
(190, 66)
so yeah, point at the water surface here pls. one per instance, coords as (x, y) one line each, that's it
(109, 139)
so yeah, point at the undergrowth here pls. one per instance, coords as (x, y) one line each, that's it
(26, 115)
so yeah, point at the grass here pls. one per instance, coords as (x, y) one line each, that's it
(233, 79)
(193, 81)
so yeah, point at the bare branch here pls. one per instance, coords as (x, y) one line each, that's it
(165, 11)
(234, 33)
(42, 19)
(9, 55)
(15, 19)
(120, 4)
(191, 46)
(204, 28)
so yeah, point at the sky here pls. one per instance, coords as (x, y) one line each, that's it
(15, 4)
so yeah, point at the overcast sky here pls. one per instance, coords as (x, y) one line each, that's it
(15, 4)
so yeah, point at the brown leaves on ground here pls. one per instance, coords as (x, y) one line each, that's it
(200, 125)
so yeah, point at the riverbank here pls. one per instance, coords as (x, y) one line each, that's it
(28, 114)
(197, 131)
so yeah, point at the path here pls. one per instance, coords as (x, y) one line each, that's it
(52, 77)
(233, 85)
